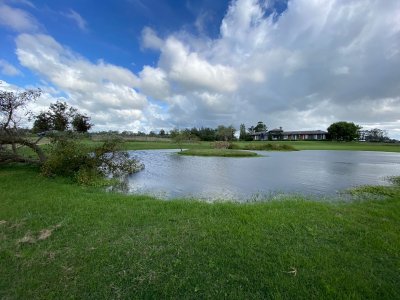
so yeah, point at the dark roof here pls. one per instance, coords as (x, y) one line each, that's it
(276, 130)
(305, 132)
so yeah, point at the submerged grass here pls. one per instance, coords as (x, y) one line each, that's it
(218, 152)
(264, 146)
(59, 240)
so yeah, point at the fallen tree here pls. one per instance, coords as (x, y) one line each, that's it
(13, 107)
(65, 155)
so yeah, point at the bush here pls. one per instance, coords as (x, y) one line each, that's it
(71, 158)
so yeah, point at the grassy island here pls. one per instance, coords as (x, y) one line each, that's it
(218, 152)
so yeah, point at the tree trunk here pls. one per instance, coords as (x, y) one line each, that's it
(5, 140)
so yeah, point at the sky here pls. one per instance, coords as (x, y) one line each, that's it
(142, 65)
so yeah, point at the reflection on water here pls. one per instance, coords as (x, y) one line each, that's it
(168, 175)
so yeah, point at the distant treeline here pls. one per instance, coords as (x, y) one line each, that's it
(221, 133)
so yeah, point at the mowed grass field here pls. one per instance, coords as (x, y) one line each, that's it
(299, 145)
(128, 144)
(59, 240)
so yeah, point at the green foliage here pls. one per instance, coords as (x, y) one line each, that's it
(224, 133)
(344, 131)
(260, 127)
(66, 158)
(242, 132)
(81, 123)
(60, 114)
(74, 159)
(60, 117)
(395, 180)
(42, 122)
(375, 135)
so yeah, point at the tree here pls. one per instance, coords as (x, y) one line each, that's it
(81, 123)
(12, 109)
(225, 133)
(42, 122)
(180, 136)
(162, 133)
(60, 115)
(207, 134)
(375, 135)
(260, 127)
(242, 134)
(344, 131)
(65, 156)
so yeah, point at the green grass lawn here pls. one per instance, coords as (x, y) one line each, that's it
(59, 240)
(255, 145)
(298, 145)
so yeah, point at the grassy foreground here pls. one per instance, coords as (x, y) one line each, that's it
(218, 152)
(58, 240)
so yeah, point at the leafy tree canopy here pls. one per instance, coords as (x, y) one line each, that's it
(344, 131)
(61, 117)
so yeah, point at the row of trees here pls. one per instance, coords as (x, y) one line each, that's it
(348, 131)
(221, 133)
(339, 131)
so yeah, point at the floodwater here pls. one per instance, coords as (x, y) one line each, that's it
(168, 175)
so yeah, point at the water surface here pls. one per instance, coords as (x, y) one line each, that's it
(320, 173)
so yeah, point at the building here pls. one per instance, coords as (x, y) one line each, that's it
(278, 134)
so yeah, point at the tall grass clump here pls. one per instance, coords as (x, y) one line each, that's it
(264, 147)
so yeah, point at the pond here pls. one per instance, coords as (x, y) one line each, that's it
(168, 175)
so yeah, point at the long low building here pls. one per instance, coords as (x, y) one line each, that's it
(279, 134)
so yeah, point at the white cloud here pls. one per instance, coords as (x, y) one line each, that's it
(17, 19)
(154, 83)
(150, 39)
(77, 18)
(23, 2)
(319, 62)
(8, 69)
(192, 71)
(98, 88)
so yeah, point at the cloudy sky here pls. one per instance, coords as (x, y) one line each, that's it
(150, 65)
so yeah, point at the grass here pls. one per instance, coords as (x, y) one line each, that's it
(263, 146)
(59, 240)
(276, 145)
(218, 152)
(255, 145)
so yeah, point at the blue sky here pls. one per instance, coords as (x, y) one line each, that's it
(147, 65)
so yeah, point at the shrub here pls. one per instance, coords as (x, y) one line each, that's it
(71, 158)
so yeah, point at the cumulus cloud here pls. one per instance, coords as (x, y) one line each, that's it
(150, 39)
(17, 19)
(318, 62)
(106, 91)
